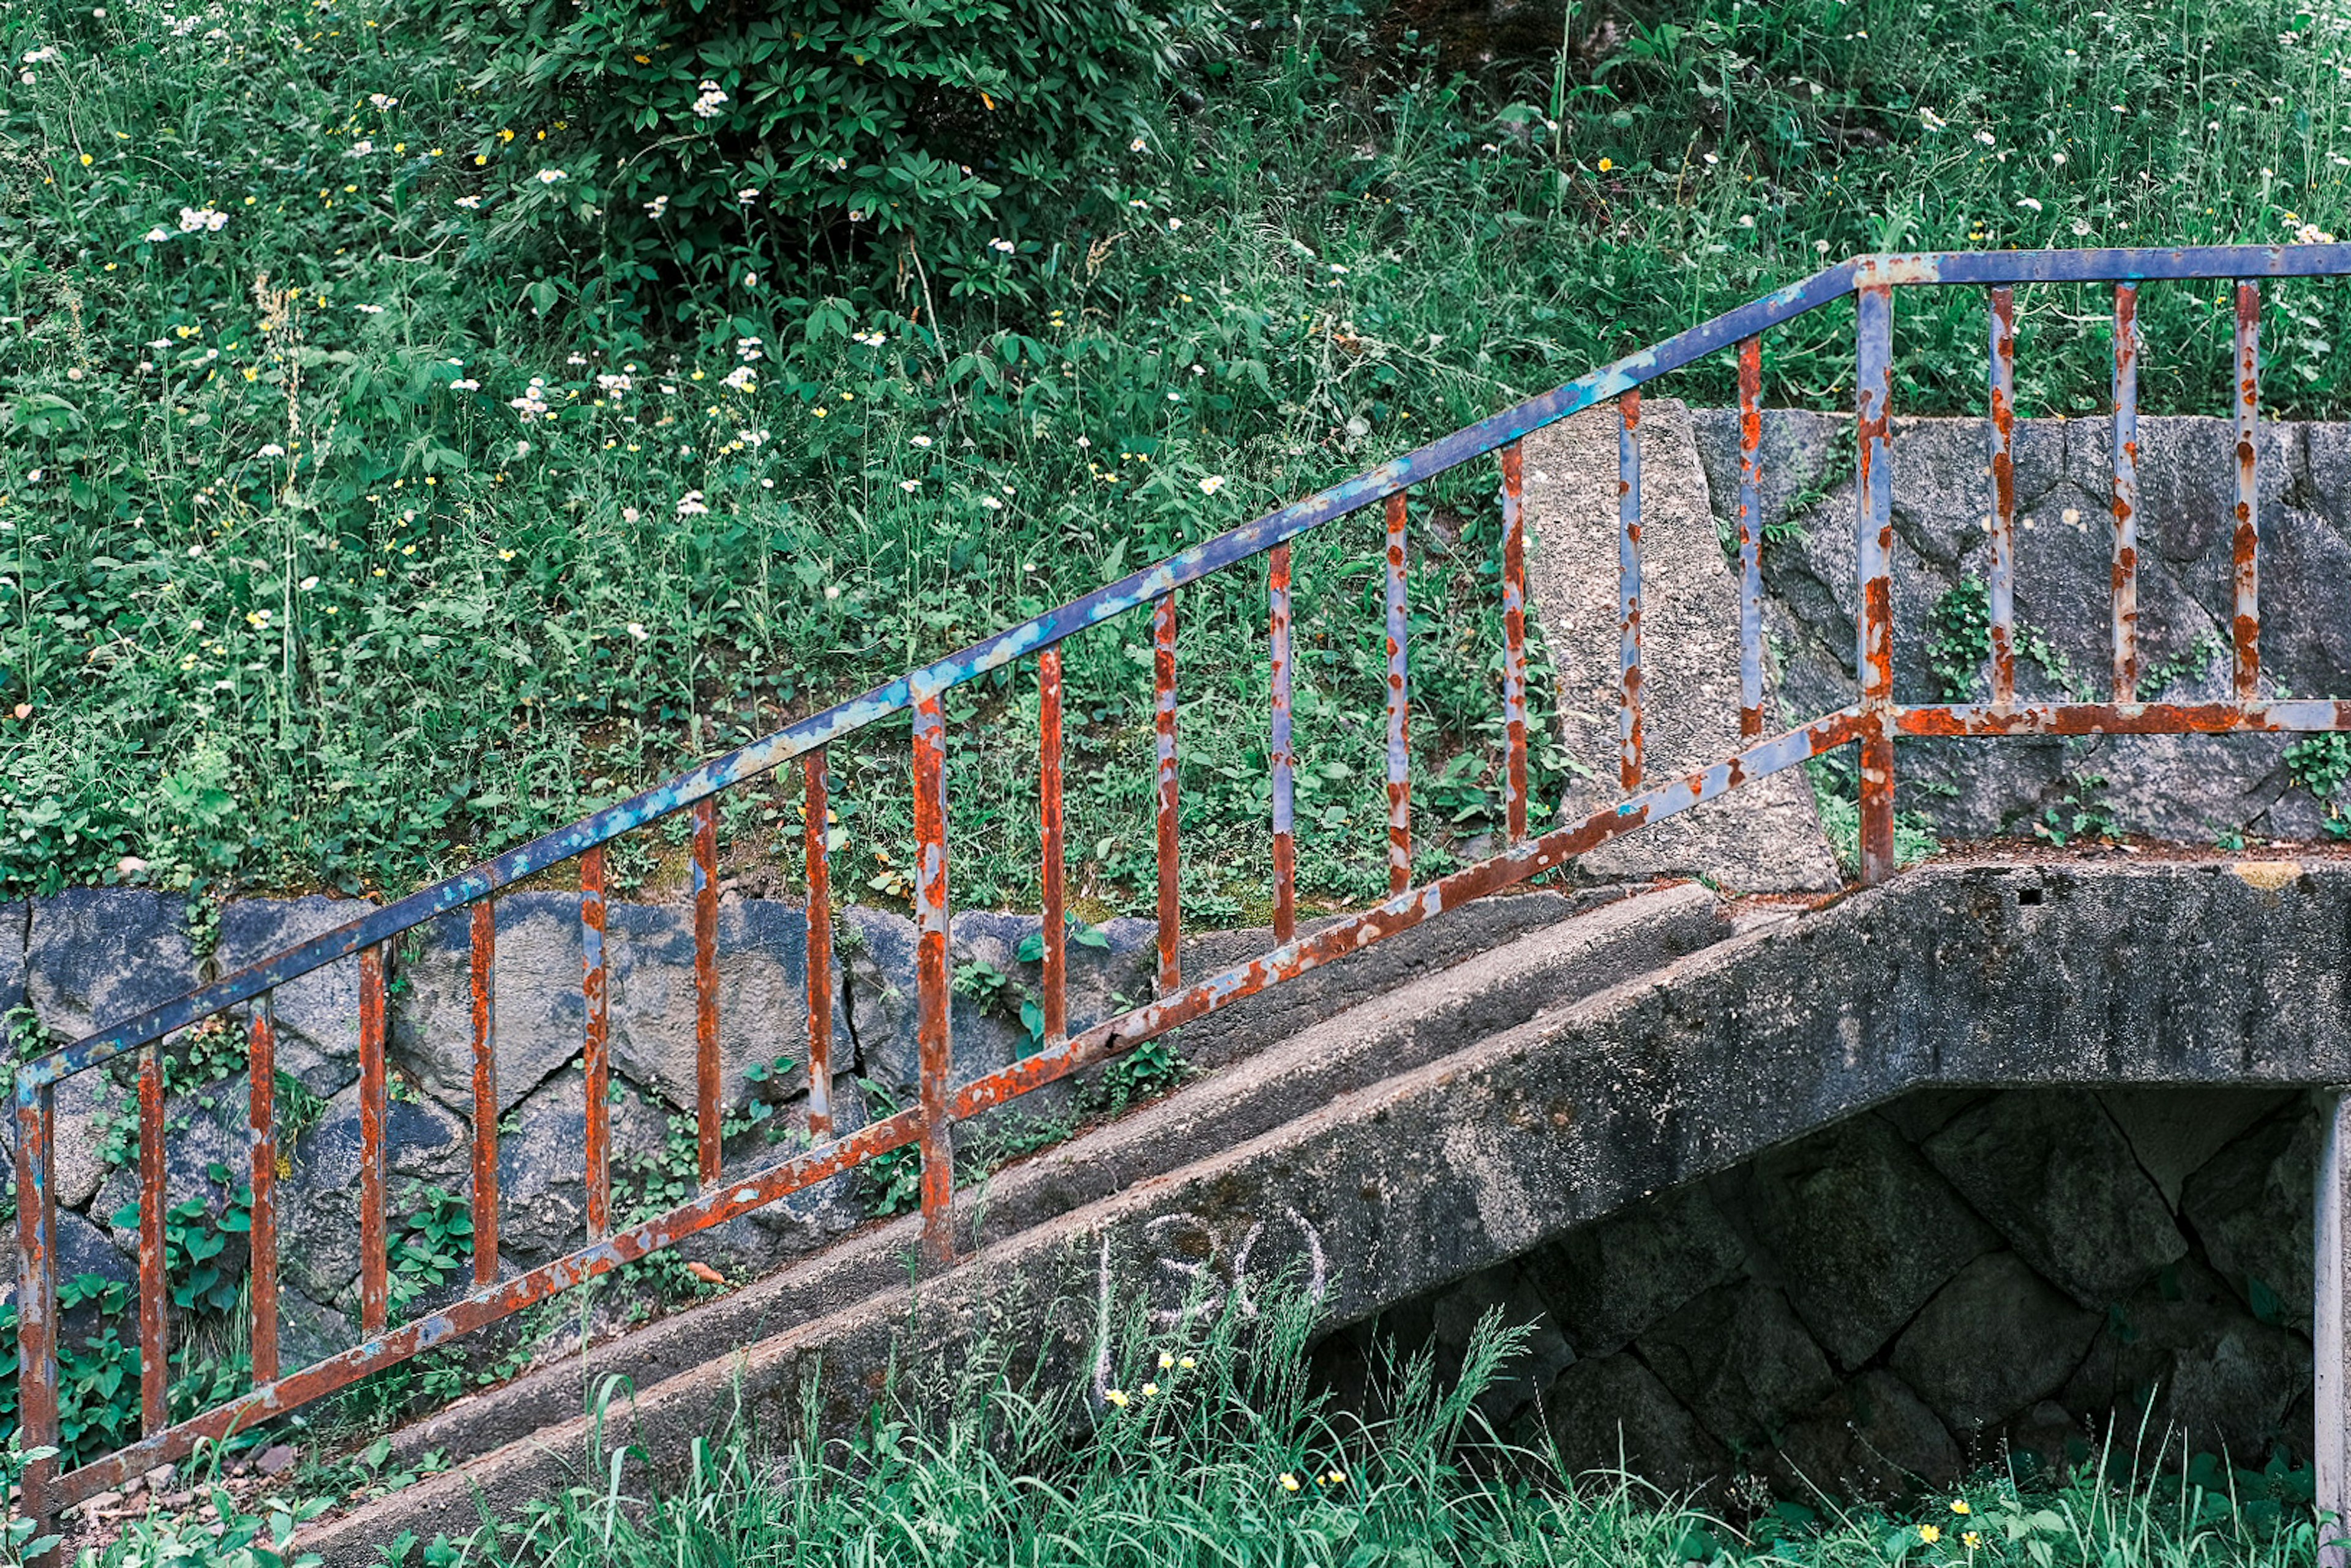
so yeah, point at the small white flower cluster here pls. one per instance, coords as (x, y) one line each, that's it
(746, 350)
(748, 194)
(368, 309)
(533, 402)
(360, 148)
(381, 102)
(706, 106)
(657, 206)
(870, 339)
(184, 26)
(692, 505)
(2311, 234)
(469, 203)
(199, 220)
(552, 176)
(40, 57)
(741, 379)
(614, 385)
(1001, 246)
(157, 236)
(465, 383)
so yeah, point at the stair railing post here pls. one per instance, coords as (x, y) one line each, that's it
(1874, 553)
(36, 1304)
(2331, 1352)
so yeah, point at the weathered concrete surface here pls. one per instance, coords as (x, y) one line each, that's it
(1766, 839)
(1284, 1077)
(1951, 978)
(2191, 787)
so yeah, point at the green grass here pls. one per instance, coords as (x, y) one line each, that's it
(282, 605)
(1217, 1449)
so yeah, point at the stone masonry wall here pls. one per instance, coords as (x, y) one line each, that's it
(1919, 1290)
(92, 957)
(2196, 788)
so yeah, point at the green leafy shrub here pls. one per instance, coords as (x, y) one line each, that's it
(709, 143)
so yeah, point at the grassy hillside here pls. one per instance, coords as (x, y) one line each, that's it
(352, 526)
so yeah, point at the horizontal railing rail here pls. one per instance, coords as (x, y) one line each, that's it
(1872, 723)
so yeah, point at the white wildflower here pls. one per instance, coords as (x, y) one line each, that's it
(552, 176)
(2028, 204)
(157, 234)
(1001, 246)
(742, 379)
(380, 103)
(1212, 484)
(469, 203)
(360, 148)
(692, 505)
(658, 205)
(1930, 119)
(746, 349)
(706, 106)
(199, 220)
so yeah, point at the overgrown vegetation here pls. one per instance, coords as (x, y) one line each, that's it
(365, 507)
(1191, 1449)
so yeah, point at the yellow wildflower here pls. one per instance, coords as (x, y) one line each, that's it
(1930, 1534)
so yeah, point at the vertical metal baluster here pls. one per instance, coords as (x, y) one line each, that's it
(154, 1283)
(2330, 1335)
(708, 1152)
(1873, 552)
(1055, 978)
(2003, 497)
(1171, 914)
(816, 843)
(1283, 759)
(375, 1294)
(1750, 538)
(1399, 718)
(1514, 637)
(933, 1045)
(595, 1060)
(1628, 591)
(36, 1298)
(2125, 573)
(261, 1070)
(486, 1095)
(2246, 622)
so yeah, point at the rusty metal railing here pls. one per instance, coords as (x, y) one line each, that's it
(1872, 723)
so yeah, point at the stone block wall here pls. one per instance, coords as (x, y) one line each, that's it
(1889, 1302)
(90, 958)
(2196, 788)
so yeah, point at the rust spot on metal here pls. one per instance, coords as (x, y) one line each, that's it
(486, 1094)
(595, 1062)
(1514, 638)
(817, 847)
(1399, 756)
(708, 1156)
(374, 1250)
(154, 1287)
(1163, 674)
(2245, 618)
(262, 1073)
(2002, 594)
(1282, 758)
(1750, 538)
(932, 1023)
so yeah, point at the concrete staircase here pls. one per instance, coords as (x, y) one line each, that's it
(1305, 1053)
(1466, 1115)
